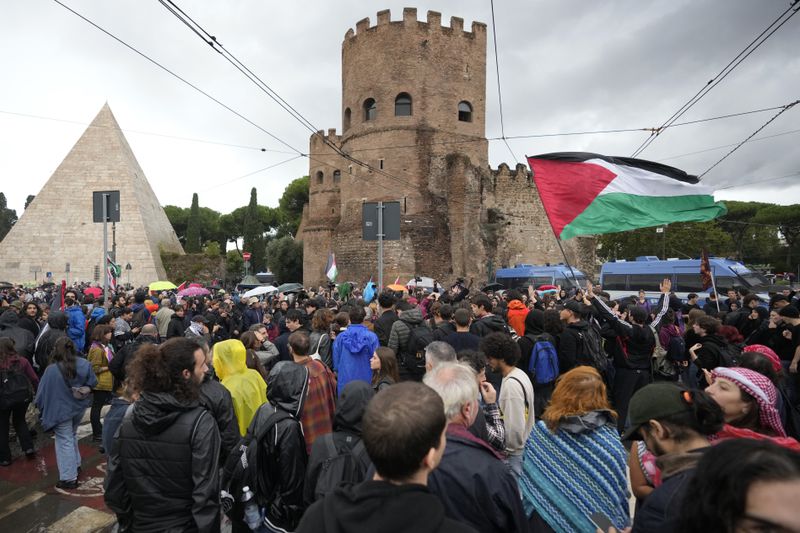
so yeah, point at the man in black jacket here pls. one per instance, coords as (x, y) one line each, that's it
(177, 322)
(163, 471)
(485, 321)
(404, 433)
(383, 326)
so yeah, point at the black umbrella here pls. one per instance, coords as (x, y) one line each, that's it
(6, 285)
(290, 287)
(492, 287)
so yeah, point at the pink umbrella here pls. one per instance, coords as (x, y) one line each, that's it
(194, 291)
(94, 291)
(196, 285)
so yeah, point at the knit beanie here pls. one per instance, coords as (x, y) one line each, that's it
(759, 387)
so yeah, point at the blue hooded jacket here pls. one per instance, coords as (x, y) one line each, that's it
(352, 351)
(76, 326)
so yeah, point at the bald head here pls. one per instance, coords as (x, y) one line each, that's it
(150, 330)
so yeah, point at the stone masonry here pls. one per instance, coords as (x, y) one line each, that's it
(57, 226)
(413, 116)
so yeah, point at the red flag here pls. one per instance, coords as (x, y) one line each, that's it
(181, 286)
(705, 271)
(397, 281)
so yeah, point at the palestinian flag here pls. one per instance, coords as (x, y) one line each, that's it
(590, 194)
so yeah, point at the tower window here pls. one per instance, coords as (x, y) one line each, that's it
(402, 105)
(337, 176)
(346, 121)
(380, 164)
(370, 109)
(320, 177)
(464, 112)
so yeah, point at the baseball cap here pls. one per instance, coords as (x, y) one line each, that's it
(575, 307)
(789, 311)
(252, 300)
(658, 400)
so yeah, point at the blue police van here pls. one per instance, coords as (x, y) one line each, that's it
(522, 276)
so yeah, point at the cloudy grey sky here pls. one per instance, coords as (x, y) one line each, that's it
(566, 65)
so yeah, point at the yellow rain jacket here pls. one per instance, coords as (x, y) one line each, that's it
(247, 388)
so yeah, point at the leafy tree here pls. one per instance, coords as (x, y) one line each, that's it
(234, 266)
(193, 228)
(786, 219)
(253, 233)
(681, 239)
(178, 217)
(28, 200)
(8, 217)
(290, 206)
(285, 258)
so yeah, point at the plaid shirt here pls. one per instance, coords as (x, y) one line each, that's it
(494, 426)
(320, 405)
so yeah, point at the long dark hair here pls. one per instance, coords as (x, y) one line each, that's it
(716, 498)
(388, 366)
(159, 368)
(251, 360)
(65, 354)
(7, 349)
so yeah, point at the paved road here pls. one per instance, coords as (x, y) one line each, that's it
(30, 502)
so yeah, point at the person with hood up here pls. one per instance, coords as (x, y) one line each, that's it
(404, 434)
(55, 328)
(247, 387)
(163, 470)
(517, 312)
(282, 451)
(485, 321)
(534, 332)
(345, 438)
(23, 339)
(352, 350)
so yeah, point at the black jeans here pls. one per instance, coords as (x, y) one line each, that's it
(99, 399)
(17, 414)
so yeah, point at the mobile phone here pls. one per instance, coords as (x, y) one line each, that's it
(601, 522)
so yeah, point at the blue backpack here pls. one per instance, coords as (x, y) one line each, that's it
(543, 364)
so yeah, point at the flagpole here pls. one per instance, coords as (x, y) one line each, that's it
(714, 285)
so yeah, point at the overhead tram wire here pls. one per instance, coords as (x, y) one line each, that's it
(764, 138)
(757, 181)
(499, 91)
(230, 109)
(139, 132)
(767, 123)
(721, 75)
(228, 182)
(212, 41)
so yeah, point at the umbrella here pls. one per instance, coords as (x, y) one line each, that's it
(396, 287)
(200, 285)
(162, 286)
(264, 289)
(6, 285)
(194, 291)
(94, 291)
(492, 287)
(290, 287)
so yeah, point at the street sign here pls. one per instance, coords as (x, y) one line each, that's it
(246, 256)
(391, 221)
(112, 214)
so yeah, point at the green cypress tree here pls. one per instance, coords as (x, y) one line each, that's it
(253, 234)
(193, 228)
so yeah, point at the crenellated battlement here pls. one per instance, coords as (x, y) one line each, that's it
(504, 170)
(320, 137)
(433, 23)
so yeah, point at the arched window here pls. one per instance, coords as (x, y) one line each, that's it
(337, 176)
(464, 112)
(346, 125)
(320, 177)
(370, 109)
(402, 105)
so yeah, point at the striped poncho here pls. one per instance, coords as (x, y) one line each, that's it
(570, 474)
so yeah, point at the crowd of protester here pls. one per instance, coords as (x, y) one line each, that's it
(430, 410)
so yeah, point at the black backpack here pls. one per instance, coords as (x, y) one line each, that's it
(139, 318)
(592, 348)
(414, 356)
(15, 387)
(242, 468)
(346, 465)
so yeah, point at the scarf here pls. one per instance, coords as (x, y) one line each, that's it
(568, 476)
(197, 328)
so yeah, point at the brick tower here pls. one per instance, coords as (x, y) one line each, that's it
(414, 109)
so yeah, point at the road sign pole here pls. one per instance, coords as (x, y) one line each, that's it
(105, 252)
(380, 245)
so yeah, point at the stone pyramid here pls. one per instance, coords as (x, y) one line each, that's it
(57, 226)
